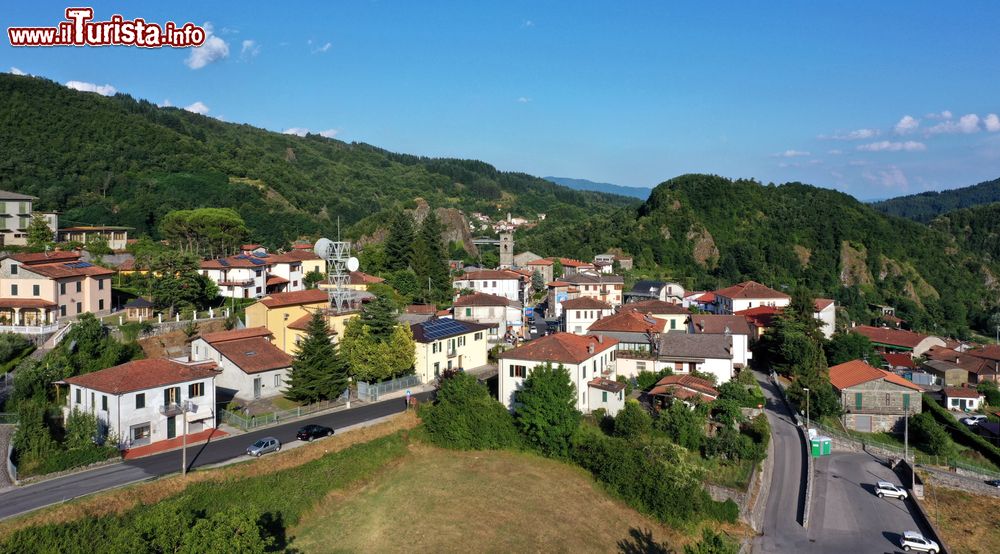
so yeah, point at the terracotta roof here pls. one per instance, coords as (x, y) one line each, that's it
(303, 246)
(276, 280)
(362, 278)
(569, 262)
(235, 334)
(628, 322)
(899, 360)
(26, 303)
(421, 309)
(281, 299)
(711, 324)
(706, 298)
(750, 289)
(557, 284)
(656, 307)
(142, 374)
(481, 299)
(61, 270)
(990, 352)
(302, 324)
(240, 261)
(254, 354)
(856, 372)
(127, 265)
(560, 348)
(45, 257)
(761, 316)
(690, 382)
(891, 337)
(302, 254)
(585, 303)
(589, 279)
(821, 304)
(960, 392)
(489, 275)
(542, 261)
(606, 384)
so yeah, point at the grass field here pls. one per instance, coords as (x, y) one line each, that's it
(445, 501)
(968, 522)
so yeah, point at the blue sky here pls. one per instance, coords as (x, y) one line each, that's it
(631, 93)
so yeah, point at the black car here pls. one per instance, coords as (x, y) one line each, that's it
(994, 483)
(310, 432)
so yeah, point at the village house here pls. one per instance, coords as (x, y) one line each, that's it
(572, 267)
(962, 399)
(146, 401)
(541, 265)
(606, 288)
(585, 357)
(37, 289)
(898, 362)
(710, 354)
(442, 344)
(947, 373)
(873, 400)
(635, 332)
(655, 290)
(524, 258)
(898, 340)
(115, 236)
(705, 302)
(501, 314)
(239, 276)
(735, 326)
(686, 388)
(605, 394)
(250, 367)
(311, 263)
(580, 313)
(824, 311)
(748, 294)
(286, 315)
(674, 315)
(500, 282)
(979, 368)
(558, 292)
(17, 212)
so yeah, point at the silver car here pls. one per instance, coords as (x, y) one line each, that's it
(263, 446)
(912, 540)
(885, 488)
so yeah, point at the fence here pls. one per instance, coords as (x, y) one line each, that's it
(247, 422)
(370, 392)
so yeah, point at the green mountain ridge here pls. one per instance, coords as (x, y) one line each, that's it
(925, 206)
(707, 231)
(641, 193)
(117, 160)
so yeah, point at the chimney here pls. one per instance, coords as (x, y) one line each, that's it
(600, 339)
(590, 348)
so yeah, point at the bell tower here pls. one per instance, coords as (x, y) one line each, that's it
(506, 250)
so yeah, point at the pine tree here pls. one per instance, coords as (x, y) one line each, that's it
(399, 242)
(380, 316)
(430, 260)
(39, 233)
(319, 371)
(537, 281)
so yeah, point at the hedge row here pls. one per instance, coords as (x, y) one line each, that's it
(961, 433)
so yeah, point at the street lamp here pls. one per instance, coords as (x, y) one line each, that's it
(806, 390)
(186, 407)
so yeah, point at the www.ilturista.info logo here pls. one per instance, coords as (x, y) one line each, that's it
(79, 30)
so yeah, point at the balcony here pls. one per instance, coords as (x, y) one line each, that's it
(171, 409)
(236, 283)
(30, 329)
(452, 353)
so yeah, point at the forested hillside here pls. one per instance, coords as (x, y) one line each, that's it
(641, 193)
(926, 206)
(976, 230)
(116, 160)
(709, 231)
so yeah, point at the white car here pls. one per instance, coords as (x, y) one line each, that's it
(885, 488)
(912, 540)
(974, 420)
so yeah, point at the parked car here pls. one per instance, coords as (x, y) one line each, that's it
(263, 446)
(912, 540)
(973, 420)
(994, 483)
(310, 432)
(885, 488)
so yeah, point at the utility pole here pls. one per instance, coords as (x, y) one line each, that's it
(186, 407)
(807, 410)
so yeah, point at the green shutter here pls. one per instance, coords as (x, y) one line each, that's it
(857, 400)
(604, 396)
(906, 401)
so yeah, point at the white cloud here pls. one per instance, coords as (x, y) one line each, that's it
(523, 99)
(946, 114)
(835, 152)
(892, 177)
(103, 90)
(528, 23)
(166, 104)
(992, 123)
(907, 124)
(213, 50)
(857, 134)
(198, 107)
(298, 131)
(319, 49)
(968, 123)
(16, 71)
(792, 154)
(887, 146)
(329, 133)
(250, 49)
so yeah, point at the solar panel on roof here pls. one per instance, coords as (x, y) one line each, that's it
(241, 257)
(439, 328)
(256, 261)
(260, 254)
(78, 265)
(224, 263)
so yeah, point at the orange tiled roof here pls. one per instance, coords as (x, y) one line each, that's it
(141, 375)
(855, 372)
(564, 348)
(750, 289)
(281, 299)
(892, 337)
(628, 322)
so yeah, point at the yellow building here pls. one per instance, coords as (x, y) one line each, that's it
(286, 315)
(442, 344)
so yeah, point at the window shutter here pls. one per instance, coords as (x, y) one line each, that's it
(857, 400)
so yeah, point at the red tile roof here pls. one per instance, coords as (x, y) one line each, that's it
(250, 247)
(481, 299)
(891, 337)
(750, 289)
(276, 280)
(899, 360)
(706, 298)
(821, 304)
(63, 270)
(421, 309)
(489, 275)
(655, 307)
(26, 303)
(141, 375)
(46, 257)
(569, 262)
(305, 253)
(557, 284)
(990, 352)
(235, 334)
(560, 348)
(362, 278)
(281, 299)
(254, 354)
(960, 392)
(542, 261)
(711, 324)
(628, 322)
(696, 384)
(606, 384)
(302, 324)
(855, 372)
(585, 303)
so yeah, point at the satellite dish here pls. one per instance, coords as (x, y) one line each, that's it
(353, 264)
(323, 247)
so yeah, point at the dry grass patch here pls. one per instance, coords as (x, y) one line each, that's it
(124, 499)
(968, 522)
(439, 500)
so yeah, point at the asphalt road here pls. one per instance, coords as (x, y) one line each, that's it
(845, 516)
(31, 497)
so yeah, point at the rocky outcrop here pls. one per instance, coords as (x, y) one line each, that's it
(456, 227)
(853, 265)
(704, 251)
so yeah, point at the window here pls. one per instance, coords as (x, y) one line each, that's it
(277, 381)
(461, 341)
(858, 397)
(604, 396)
(79, 307)
(494, 284)
(673, 323)
(62, 288)
(518, 371)
(77, 396)
(100, 284)
(258, 290)
(578, 314)
(62, 310)
(468, 312)
(171, 395)
(888, 399)
(640, 366)
(100, 304)
(13, 290)
(437, 369)
(434, 348)
(478, 336)
(79, 286)
(583, 369)
(92, 402)
(140, 400)
(36, 290)
(104, 402)
(198, 389)
(13, 269)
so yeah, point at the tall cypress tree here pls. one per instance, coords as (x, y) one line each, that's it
(380, 317)
(399, 242)
(319, 371)
(430, 260)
